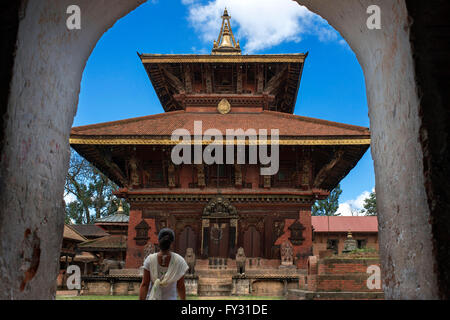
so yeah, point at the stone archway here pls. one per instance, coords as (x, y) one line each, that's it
(42, 102)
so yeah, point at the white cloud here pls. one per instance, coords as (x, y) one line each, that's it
(69, 197)
(353, 207)
(261, 23)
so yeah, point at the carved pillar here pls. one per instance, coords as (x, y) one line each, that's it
(171, 175)
(208, 78)
(267, 181)
(188, 79)
(239, 79)
(306, 173)
(238, 175)
(201, 175)
(233, 235)
(260, 79)
(205, 238)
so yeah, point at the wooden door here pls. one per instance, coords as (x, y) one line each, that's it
(219, 238)
(187, 239)
(252, 242)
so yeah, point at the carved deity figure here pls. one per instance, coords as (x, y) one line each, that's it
(171, 174)
(306, 171)
(190, 260)
(134, 175)
(287, 254)
(240, 261)
(278, 229)
(201, 175)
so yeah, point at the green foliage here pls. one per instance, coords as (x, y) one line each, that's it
(328, 206)
(370, 205)
(91, 190)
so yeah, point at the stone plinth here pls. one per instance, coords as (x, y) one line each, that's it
(191, 284)
(241, 286)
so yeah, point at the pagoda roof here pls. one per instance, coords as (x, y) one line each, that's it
(89, 230)
(111, 242)
(157, 129)
(167, 75)
(72, 234)
(208, 58)
(114, 218)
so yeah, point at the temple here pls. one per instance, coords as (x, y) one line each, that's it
(217, 208)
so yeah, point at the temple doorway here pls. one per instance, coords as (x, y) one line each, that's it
(219, 238)
(252, 242)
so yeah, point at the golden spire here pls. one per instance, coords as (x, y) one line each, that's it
(120, 210)
(226, 44)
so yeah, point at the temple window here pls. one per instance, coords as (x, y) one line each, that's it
(361, 243)
(220, 175)
(332, 244)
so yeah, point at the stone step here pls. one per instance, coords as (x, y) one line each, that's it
(214, 289)
(208, 281)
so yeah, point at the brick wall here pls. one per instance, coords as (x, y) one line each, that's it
(341, 274)
(135, 252)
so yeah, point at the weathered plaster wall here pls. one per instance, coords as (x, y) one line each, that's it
(386, 58)
(44, 94)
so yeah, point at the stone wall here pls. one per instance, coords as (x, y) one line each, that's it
(386, 58)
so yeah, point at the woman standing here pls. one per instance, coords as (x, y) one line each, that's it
(165, 270)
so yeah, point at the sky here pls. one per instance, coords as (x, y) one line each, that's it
(115, 85)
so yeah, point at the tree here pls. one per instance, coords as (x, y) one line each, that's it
(89, 191)
(328, 206)
(370, 205)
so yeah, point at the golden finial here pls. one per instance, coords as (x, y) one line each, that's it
(226, 44)
(349, 234)
(120, 210)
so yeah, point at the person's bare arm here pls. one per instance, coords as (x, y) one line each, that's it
(181, 289)
(143, 290)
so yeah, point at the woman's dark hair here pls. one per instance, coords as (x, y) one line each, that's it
(165, 238)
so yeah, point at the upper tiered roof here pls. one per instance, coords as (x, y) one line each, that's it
(186, 81)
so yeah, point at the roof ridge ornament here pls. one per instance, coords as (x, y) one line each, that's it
(226, 43)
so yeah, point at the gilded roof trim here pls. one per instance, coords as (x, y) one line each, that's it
(139, 141)
(200, 58)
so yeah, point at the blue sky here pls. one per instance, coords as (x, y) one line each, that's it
(115, 86)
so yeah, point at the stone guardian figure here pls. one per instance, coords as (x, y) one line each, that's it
(190, 260)
(240, 261)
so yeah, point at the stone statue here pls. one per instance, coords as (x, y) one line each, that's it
(148, 250)
(287, 254)
(240, 261)
(108, 264)
(190, 260)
